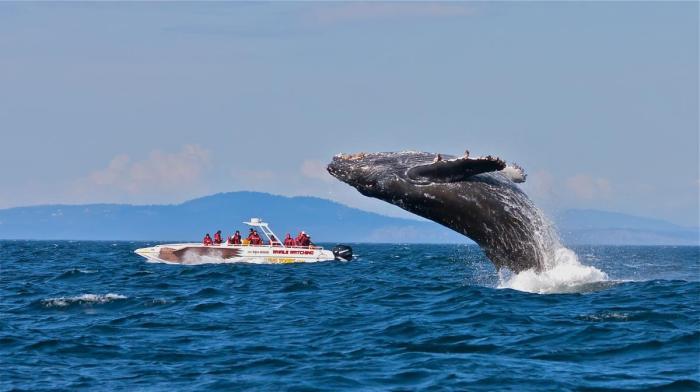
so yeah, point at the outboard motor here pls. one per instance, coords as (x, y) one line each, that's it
(342, 252)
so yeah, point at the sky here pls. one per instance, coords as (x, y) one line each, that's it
(162, 102)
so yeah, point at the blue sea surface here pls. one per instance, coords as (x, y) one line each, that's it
(95, 316)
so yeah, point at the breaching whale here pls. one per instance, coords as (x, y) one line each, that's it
(477, 197)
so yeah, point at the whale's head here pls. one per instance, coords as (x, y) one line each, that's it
(374, 173)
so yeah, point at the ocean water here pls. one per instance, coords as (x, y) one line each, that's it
(95, 316)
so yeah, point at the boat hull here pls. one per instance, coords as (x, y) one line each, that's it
(194, 253)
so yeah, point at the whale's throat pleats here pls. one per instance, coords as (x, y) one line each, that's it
(455, 170)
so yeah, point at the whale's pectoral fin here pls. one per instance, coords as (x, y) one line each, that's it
(455, 170)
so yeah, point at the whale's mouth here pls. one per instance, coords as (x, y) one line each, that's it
(350, 168)
(338, 168)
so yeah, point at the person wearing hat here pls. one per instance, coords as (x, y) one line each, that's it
(288, 240)
(304, 240)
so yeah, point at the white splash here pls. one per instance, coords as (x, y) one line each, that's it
(564, 274)
(85, 299)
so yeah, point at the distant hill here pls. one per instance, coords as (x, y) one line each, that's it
(325, 220)
(612, 228)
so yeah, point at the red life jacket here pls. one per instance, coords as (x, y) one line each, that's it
(207, 240)
(217, 238)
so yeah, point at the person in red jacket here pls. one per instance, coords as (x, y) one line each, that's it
(254, 238)
(207, 240)
(288, 240)
(237, 238)
(217, 238)
(305, 239)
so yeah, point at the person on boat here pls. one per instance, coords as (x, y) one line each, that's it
(217, 238)
(207, 240)
(288, 240)
(254, 238)
(236, 238)
(273, 240)
(303, 240)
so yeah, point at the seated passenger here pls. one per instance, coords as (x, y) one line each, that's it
(207, 240)
(305, 239)
(237, 238)
(273, 240)
(255, 238)
(217, 238)
(288, 240)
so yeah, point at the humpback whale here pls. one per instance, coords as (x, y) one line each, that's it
(477, 197)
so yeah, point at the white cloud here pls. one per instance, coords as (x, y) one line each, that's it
(587, 187)
(160, 172)
(315, 170)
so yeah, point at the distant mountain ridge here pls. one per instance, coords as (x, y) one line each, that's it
(613, 228)
(325, 220)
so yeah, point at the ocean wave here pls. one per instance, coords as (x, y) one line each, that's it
(75, 272)
(84, 299)
(383, 322)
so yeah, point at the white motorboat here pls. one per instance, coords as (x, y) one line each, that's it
(272, 252)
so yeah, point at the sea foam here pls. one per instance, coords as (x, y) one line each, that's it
(563, 274)
(84, 299)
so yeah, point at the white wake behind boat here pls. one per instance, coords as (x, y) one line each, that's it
(273, 252)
